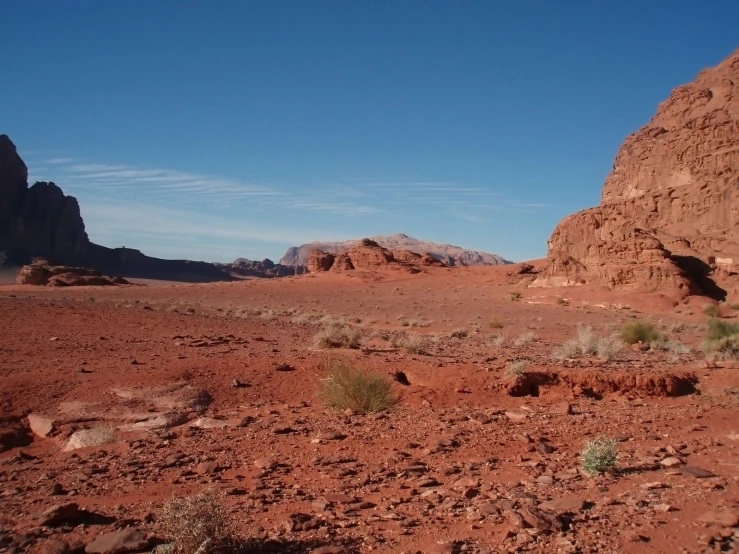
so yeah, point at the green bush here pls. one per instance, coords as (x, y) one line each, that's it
(640, 331)
(711, 310)
(599, 456)
(346, 387)
(720, 329)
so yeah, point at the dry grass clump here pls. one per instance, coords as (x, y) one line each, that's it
(101, 434)
(497, 341)
(722, 340)
(588, 343)
(414, 344)
(459, 333)
(711, 310)
(197, 524)
(347, 387)
(514, 296)
(337, 336)
(640, 331)
(525, 338)
(517, 367)
(562, 301)
(495, 324)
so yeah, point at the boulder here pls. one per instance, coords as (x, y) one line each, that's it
(41, 426)
(46, 272)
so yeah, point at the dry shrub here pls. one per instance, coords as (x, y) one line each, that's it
(495, 324)
(517, 367)
(525, 338)
(459, 333)
(711, 310)
(497, 340)
(599, 455)
(640, 331)
(514, 296)
(414, 344)
(197, 524)
(722, 340)
(588, 343)
(347, 387)
(337, 336)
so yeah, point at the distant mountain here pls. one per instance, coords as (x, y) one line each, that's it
(249, 268)
(447, 253)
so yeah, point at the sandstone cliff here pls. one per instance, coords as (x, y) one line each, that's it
(446, 253)
(670, 206)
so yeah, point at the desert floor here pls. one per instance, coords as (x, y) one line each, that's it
(215, 386)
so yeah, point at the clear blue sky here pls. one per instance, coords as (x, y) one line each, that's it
(216, 130)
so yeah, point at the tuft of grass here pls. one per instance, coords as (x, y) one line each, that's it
(346, 387)
(514, 296)
(726, 348)
(720, 329)
(414, 344)
(640, 331)
(733, 305)
(516, 368)
(599, 456)
(497, 340)
(459, 333)
(711, 310)
(525, 338)
(588, 343)
(197, 524)
(495, 324)
(337, 336)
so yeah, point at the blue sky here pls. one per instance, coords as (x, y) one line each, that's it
(216, 130)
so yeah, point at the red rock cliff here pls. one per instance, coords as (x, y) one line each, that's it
(670, 204)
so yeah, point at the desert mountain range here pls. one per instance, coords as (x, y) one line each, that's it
(666, 221)
(447, 253)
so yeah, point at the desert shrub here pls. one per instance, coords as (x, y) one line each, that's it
(197, 524)
(337, 336)
(517, 367)
(599, 456)
(346, 387)
(720, 329)
(414, 344)
(711, 310)
(459, 333)
(639, 331)
(726, 348)
(495, 324)
(678, 328)
(524, 338)
(588, 343)
(733, 305)
(100, 434)
(514, 296)
(497, 340)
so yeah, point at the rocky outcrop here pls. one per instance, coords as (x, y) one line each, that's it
(41, 218)
(320, 261)
(41, 221)
(45, 272)
(670, 207)
(368, 254)
(266, 268)
(446, 253)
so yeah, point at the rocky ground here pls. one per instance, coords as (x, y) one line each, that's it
(195, 387)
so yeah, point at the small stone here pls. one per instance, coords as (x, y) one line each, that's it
(119, 542)
(565, 504)
(725, 518)
(41, 426)
(207, 468)
(671, 461)
(61, 514)
(340, 498)
(265, 463)
(697, 472)
(563, 408)
(515, 416)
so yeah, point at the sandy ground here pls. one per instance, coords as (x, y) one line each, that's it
(464, 464)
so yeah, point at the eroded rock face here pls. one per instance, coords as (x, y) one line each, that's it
(45, 272)
(319, 261)
(39, 219)
(368, 254)
(670, 204)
